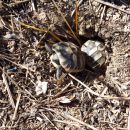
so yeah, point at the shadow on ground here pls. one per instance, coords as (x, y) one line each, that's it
(119, 2)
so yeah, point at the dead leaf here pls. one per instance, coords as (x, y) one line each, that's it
(41, 87)
(65, 100)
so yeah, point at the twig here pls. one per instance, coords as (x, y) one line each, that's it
(33, 6)
(65, 21)
(4, 24)
(102, 14)
(100, 96)
(79, 3)
(119, 87)
(63, 90)
(104, 91)
(8, 127)
(17, 3)
(19, 65)
(98, 8)
(16, 108)
(11, 79)
(88, 89)
(68, 123)
(12, 23)
(79, 121)
(76, 16)
(2, 101)
(128, 128)
(49, 121)
(8, 89)
(113, 6)
(39, 29)
(114, 98)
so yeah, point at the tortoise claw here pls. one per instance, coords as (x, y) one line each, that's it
(61, 80)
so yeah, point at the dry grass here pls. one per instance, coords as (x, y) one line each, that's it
(80, 101)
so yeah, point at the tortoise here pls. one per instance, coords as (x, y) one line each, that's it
(67, 56)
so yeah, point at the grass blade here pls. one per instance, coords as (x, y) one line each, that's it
(65, 21)
(76, 17)
(40, 30)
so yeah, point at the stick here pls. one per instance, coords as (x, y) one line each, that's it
(80, 122)
(16, 108)
(128, 128)
(114, 98)
(104, 8)
(8, 89)
(98, 95)
(66, 21)
(19, 65)
(49, 121)
(68, 123)
(76, 17)
(79, 3)
(113, 6)
(38, 29)
(88, 89)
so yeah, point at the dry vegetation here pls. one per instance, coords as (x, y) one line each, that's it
(81, 101)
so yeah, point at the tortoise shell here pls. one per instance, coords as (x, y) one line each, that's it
(95, 51)
(69, 56)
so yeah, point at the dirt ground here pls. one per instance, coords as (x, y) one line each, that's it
(30, 96)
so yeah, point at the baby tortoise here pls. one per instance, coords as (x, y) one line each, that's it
(96, 52)
(67, 56)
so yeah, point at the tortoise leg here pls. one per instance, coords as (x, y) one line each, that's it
(60, 76)
(59, 72)
(56, 63)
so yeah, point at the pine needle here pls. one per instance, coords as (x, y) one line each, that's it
(65, 21)
(40, 30)
(76, 17)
